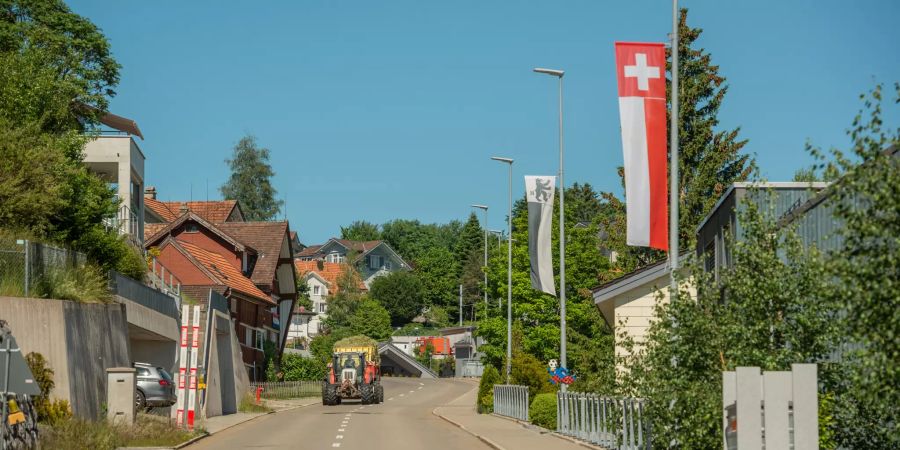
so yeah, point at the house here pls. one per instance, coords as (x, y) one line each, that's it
(247, 262)
(628, 302)
(371, 258)
(116, 158)
(321, 278)
(158, 214)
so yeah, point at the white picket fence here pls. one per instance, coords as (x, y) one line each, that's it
(776, 409)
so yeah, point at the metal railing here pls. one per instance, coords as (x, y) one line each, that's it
(281, 390)
(511, 401)
(144, 295)
(609, 422)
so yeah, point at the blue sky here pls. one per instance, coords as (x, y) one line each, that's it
(391, 109)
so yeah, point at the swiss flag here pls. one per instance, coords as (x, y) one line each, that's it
(641, 70)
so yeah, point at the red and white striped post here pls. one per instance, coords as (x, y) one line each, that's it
(192, 387)
(182, 366)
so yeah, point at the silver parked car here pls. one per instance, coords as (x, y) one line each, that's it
(154, 387)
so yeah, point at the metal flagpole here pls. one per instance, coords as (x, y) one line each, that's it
(673, 189)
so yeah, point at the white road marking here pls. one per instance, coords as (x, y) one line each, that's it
(402, 395)
(391, 398)
(340, 436)
(411, 392)
(336, 444)
(347, 415)
(341, 430)
(421, 384)
(420, 387)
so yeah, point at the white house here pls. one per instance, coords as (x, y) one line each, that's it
(321, 281)
(371, 258)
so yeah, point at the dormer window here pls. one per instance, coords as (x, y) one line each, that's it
(191, 228)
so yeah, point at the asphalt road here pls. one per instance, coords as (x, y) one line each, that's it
(403, 421)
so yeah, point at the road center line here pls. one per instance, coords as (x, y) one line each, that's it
(340, 436)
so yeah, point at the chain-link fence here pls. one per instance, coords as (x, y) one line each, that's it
(26, 265)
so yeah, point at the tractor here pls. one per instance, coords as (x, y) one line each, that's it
(353, 372)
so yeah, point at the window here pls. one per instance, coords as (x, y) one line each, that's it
(254, 338)
(141, 372)
(387, 265)
(323, 307)
(191, 228)
(316, 290)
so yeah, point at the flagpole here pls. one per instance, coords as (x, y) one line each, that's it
(562, 224)
(673, 190)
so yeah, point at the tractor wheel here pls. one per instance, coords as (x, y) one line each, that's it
(379, 389)
(368, 395)
(330, 395)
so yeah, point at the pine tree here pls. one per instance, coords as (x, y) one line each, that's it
(250, 182)
(708, 159)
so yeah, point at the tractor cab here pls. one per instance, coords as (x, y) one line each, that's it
(350, 366)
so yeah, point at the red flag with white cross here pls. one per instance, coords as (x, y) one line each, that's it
(642, 109)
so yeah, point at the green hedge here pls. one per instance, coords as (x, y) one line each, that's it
(543, 411)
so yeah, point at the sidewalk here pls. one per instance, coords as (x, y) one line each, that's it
(500, 433)
(216, 424)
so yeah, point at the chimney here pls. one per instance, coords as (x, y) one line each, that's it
(150, 193)
(183, 209)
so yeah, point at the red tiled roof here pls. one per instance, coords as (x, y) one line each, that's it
(266, 238)
(216, 211)
(151, 229)
(224, 271)
(329, 272)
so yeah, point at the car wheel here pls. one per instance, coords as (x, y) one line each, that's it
(140, 402)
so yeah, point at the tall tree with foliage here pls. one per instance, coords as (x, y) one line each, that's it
(401, 293)
(58, 61)
(866, 271)
(250, 182)
(361, 230)
(372, 320)
(589, 339)
(770, 309)
(56, 74)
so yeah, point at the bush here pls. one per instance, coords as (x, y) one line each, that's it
(526, 370)
(297, 368)
(542, 411)
(85, 284)
(47, 411)
(485, 401)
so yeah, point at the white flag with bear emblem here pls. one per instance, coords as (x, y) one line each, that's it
(540, 191)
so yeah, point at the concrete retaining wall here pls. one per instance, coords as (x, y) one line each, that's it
(80, 341)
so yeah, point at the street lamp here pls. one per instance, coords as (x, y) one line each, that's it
(562, 224)
(484, 269)
(508, 161)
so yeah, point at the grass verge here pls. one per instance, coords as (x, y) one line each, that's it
(248, 405)
(147, 431)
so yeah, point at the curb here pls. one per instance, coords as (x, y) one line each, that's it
(481, 438)
(206, 435)
(552, 433)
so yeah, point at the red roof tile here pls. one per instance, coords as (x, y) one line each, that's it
(216, 211)
(224, 272)
(266, 238)
(329, 272)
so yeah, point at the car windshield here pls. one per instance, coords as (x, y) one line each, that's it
(164, 374)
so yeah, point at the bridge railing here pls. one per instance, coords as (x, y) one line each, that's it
(511, 401)
(615, 423)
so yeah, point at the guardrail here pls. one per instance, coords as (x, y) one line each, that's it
(511, 401)
(280, 390)
(144, 295)
(605, 421)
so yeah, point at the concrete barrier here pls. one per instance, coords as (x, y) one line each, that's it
(78, 340)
